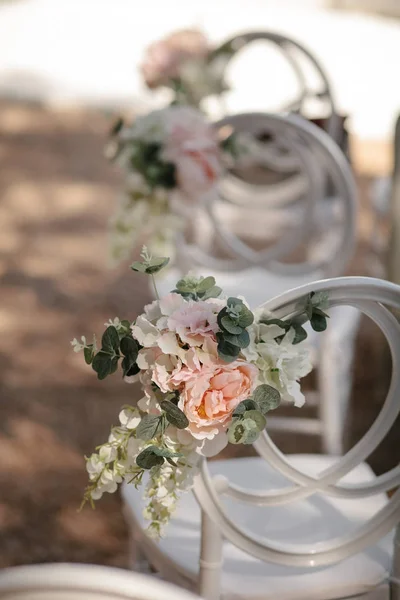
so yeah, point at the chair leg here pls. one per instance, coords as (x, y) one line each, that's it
(395, 582)
(334, 382)
(210, 559)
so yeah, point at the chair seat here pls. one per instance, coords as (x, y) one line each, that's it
(312, 520)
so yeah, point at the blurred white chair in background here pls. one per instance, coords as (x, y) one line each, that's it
(255, 244)
(83, 582)
(296, 527)
(314, 94)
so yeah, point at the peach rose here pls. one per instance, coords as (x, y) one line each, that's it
(164, 59)
(210, 396)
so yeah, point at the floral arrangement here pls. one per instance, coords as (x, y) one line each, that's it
(171, 158)
(210, 370)
(186, 63)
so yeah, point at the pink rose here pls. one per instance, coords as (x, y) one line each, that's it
(211, 395)
(193, 321)
(193, 147)
(164, 59)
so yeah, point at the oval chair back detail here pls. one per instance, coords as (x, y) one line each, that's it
(299, 526)
(300, 60)
(310, 239)
(368, 296)
(83, 582)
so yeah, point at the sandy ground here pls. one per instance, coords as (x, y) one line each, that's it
(56, 193)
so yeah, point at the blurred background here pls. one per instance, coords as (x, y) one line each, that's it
(66, 70)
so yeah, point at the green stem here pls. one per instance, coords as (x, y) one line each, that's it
(155, 286)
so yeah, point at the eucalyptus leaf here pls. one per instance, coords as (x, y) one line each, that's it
(110, 340)
(318, 322)
(228, 352)
(174, 415)
(242, 340)
(148, 459)
(267, 397)
(300, 334)
(241, 408)
(246, 317)
(156, 264)
(257, 417)
(129, 347)
(102, 364)
(150, 426)
(283, 324)
(129, 368)
(114, 364)
(138, 266)
(243, 431)
(213, 292)
(205, 284)
(230, 326)
(165, 452)
(88, 353)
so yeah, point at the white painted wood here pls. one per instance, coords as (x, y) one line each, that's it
(299, 527)
(83, 582)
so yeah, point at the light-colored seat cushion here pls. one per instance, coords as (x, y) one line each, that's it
(312, 520)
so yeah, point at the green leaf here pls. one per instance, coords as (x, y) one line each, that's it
(283, 324)
(213, 292)
(165, 452)
(320, 299)
(205, 284)
(114, 364)
(232, 302)
(88, 353)
(148, 459)
(129, 347)
(242, 340)
(257, 417)
(300, 334)
(228, 352)
(243, 431)
(246, 317)
(318, 322)
(150, 426)
(129, 369)
(187, 285)
(102, 365)
(174, 414)
(267, 397)
(318, 311)
(110, 340)
(230, 326)
(241, 408)
(151, 266)
(156, 264)
(126, 325)
(138, 266)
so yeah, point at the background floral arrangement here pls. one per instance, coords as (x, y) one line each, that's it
(210, 370)
(171, 157)
(186, 63)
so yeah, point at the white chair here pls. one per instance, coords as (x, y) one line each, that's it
(295, 527)
(312, 82)
(83, 582)
(320, 230)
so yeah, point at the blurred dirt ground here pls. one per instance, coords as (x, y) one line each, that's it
(57, 192)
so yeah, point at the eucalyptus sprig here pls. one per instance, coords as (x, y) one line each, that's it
(311, 310)
(249, 416)
(233, 321)
(197, 288)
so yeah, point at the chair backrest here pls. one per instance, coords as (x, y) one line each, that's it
(314, 157)
(300, 60)
(373, 297)
(83, 582)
